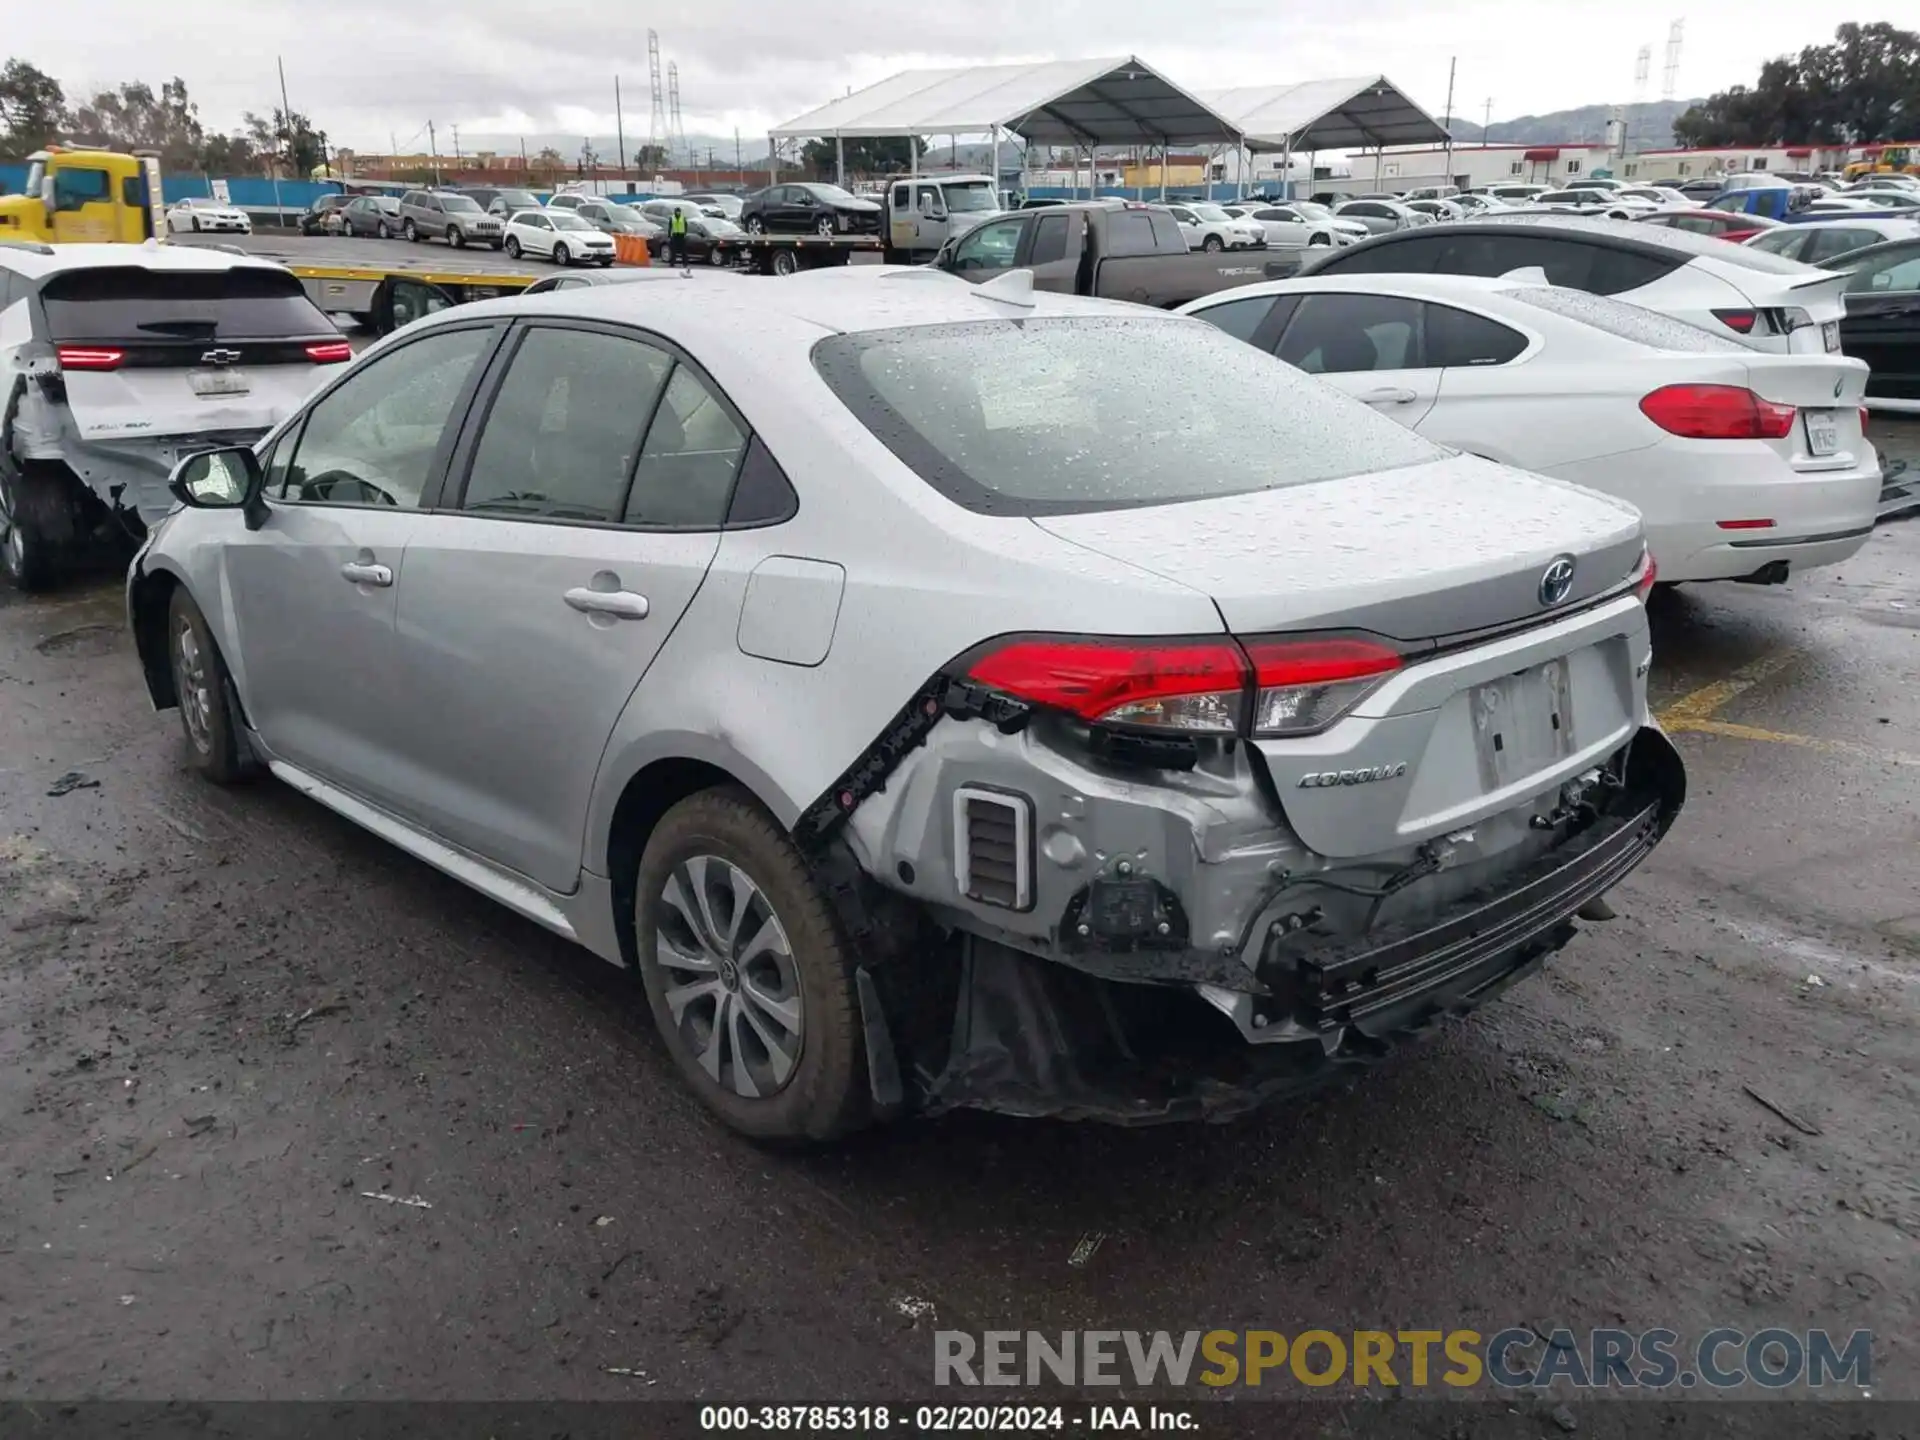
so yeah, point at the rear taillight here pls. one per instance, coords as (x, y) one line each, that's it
(1195, 686)
(1863, 419)
(1272, 686)
(330, 352)
(1717, 412)
(1644, 574)
(88, 357)
(1301, 686)
(1741, 321)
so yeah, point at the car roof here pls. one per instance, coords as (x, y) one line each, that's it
(1423, 286)
(28, 258)
(1631, 235)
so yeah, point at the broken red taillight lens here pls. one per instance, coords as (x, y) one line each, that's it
(330, 352)
(1263, 686)
(1644, 574)
(88, 357)
(1717, 412)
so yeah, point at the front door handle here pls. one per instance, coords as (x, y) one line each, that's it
(1392, 395)
(361, 573)
(621, 604)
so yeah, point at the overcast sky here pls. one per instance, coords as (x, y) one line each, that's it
(365, 70)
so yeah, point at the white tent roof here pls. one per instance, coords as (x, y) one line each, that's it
(1114, 101)
(1328, 115)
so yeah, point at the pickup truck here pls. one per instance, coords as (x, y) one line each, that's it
(1116, 250)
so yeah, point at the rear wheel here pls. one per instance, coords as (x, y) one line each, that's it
(202, 690)
(32, 554)
(785, 262)
(746, 973)
(716, 256)
(561, 255)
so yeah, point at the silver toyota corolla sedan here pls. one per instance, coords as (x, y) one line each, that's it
(914, 683)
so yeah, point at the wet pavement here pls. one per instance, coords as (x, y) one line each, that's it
(286, 1113)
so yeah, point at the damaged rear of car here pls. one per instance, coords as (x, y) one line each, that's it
(117, 361)
(1184, 874)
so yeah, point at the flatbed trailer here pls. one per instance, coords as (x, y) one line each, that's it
(790, 254)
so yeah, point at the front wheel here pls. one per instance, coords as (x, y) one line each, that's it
(1213, 245)
(455, 239)
(382, 231)
(561, 255)
(746, 973)
(513, 246)
(203, 691)
(412, 232)
(196, 225)
(824, 225)
(716, 256)
(756, 226)
(1320, 240)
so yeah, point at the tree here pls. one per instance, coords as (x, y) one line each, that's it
(229, 155)
(650, 157)
(878, 155)
(132, 117)
(290, 140)
(33, 109)
(1863, 87)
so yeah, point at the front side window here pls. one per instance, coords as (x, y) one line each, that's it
(1831, 244)
(989, 247)
(1339, 334)
(1067, 415)
(1238, 318)
(563, 431)
(373, 438)
(73, 188)
(693, 448)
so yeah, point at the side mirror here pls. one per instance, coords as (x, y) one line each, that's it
(229, 479)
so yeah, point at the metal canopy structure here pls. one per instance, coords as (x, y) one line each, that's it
(1357, 114)
(1115, 101)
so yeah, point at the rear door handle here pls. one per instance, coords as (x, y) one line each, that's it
(621, 604)
(1392, 395)
(363, 574)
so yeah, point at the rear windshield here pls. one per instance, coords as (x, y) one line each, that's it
(1057, 416)
(128, 303)
(1626, 322)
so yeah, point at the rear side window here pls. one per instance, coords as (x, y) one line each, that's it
(1049, 240)
(1131, 233)
(1339, 334)
(1827, 244)
(1416, 255)
(1166, 233)
(1461, 338)
(124, 302)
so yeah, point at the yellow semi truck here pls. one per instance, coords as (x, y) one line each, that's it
(86, 196)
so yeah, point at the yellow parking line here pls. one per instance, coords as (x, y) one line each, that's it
(1807, 742)
(1690, 711)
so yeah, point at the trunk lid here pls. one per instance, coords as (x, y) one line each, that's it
(184, 397)
(1424, 551)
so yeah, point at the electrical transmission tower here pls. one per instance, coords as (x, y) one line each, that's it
(657, 128)
(1672, 78)
(1642, 68)
(678, 143)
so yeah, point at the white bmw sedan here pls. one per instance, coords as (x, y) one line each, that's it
(854, 657)
(1747, 465)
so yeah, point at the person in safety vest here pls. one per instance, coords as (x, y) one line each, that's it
(677, 237)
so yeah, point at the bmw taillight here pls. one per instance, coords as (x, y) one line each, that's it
(1717, 412)
(330, 352)
(88, 357)
(1267, 686)
(1740, 321)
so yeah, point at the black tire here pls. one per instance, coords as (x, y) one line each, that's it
(826, 1093)
(411, 232)
(785, 262)
(1213, 245)
(196, 224)
(1313, 240)
(716, 256)
(562, 255)
(824, 225)
(512, 246)
(35, 530)
(382, 231)
(755, 225)
(456, 240)
(203, 691)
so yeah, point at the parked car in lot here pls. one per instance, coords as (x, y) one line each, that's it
(809, 209)
(1116, 250)
(1518, 193)
(615, 219)
(1744, 465)
(1382, 216)
(1721, 224)
(1079, 717)
(1817, 242)
(372, 216)
(1209, 227)
(323, 216)
(714, 241)
(729, 206)
(501, 203)
(1767, 302)
(448, 216)
(1882, 324)
(1299, 224)
(1664, 196)
(1590, 201)
(116, 360)
(558, 235)
(201, 213)
(1438, 209)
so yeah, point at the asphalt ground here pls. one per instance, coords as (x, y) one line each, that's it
(285, 1113)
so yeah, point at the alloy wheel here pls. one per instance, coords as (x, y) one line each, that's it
(825, 225)
(561, 256)
(731, 984)
(756, 226)
(191, 686)
(13, 540)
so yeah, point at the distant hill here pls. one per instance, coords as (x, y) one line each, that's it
(1649, 126)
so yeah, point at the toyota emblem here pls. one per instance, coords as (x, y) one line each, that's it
(1557, 583)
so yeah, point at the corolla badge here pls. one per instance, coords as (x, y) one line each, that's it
(1556, 583)
(1365, 775)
